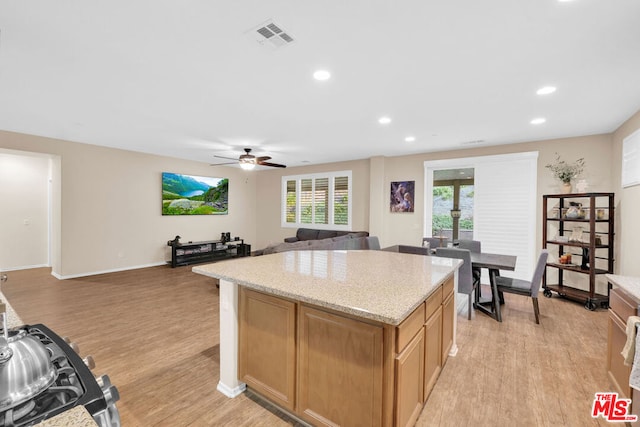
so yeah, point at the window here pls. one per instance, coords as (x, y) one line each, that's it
(318, 200)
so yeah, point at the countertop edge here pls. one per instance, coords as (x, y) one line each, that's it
(340, 308)
(630, 284)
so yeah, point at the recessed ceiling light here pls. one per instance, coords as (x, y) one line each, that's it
(538, 121)
(322, 75)
(546, 90)
(384, 120)
(410, 139)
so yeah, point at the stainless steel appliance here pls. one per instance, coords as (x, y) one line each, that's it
(41, 376)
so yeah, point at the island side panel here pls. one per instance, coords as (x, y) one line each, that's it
(229, 384)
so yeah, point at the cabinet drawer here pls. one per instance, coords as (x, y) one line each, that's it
(622, 304)
(409, 327)
(447, 288)
(434, 302)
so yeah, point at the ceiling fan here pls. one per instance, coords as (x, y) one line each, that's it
(248, 161)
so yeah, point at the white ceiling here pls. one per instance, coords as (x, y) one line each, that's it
(186, 79)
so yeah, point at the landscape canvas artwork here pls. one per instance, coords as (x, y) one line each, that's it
(194, 195)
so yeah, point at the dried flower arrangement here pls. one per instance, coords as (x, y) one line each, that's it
(564, 171)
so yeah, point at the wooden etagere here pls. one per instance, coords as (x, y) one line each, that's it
(591, 249)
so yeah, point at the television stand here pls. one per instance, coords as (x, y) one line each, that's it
(205, 251)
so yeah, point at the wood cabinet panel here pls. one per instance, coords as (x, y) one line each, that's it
(410, 381)
(622, 304)
(447, 288)
(448, 311)
(618, 371)
(340, 370)
(409, 327)
(267, 346)
(432, 350)
(434, 302)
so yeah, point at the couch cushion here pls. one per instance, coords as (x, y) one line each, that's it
(326, 234)
(307, 234)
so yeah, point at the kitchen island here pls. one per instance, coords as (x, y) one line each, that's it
(337, 337)
(77, 416)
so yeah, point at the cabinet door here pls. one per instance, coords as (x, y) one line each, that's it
(432, 350)
(448, 311)
(340, 370)
(617, 370)
(267, 346)
(410, 381)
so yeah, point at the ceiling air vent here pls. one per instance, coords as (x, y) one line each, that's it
(271, 35)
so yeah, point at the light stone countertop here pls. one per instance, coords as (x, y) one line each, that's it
(377, 285)
(628, 283)
(74, 417)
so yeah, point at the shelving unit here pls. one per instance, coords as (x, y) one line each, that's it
(206, 251)
(596, 247)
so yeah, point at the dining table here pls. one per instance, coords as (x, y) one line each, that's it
(494, 263)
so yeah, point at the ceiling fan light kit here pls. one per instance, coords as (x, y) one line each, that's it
(248, 161)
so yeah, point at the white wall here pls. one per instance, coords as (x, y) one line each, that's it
(24, 210)
(627, 207)
(110, 215)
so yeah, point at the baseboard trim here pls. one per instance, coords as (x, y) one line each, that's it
(25, 267)
(113, 270)
(231, 392)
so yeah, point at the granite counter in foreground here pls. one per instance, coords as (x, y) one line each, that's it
(376, 285)
(74, 417)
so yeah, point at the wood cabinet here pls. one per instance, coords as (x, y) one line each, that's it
(409, 368)
(432, 342)
(448, 312)
(331, 368)
(267, 346)
(339, 355)
(580, 226)
(622, 305)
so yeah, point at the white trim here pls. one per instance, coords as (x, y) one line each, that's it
(631, 160)
(113, 270)
(25, 267)
(229, 384)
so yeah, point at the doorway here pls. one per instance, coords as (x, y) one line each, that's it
(453, 191)
(504, 204)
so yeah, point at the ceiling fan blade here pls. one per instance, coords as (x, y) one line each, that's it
(274, 165)
(228, 158)
(262, 158)
(220, 164)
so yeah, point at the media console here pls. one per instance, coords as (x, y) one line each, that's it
(206, 251)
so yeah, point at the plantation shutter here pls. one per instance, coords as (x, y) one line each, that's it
(290, 205)
(341, 200)
(306, 201)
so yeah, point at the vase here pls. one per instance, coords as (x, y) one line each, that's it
(566, 188)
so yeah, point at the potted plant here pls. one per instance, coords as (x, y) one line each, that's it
(565, 172)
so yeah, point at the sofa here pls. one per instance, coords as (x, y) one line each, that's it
(315, 234)
(352, 241)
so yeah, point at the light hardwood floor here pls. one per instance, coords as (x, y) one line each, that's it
(154, 331)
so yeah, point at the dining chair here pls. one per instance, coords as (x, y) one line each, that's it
(524, 287)
(473, 246)
(436, 242)
(466, 284)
